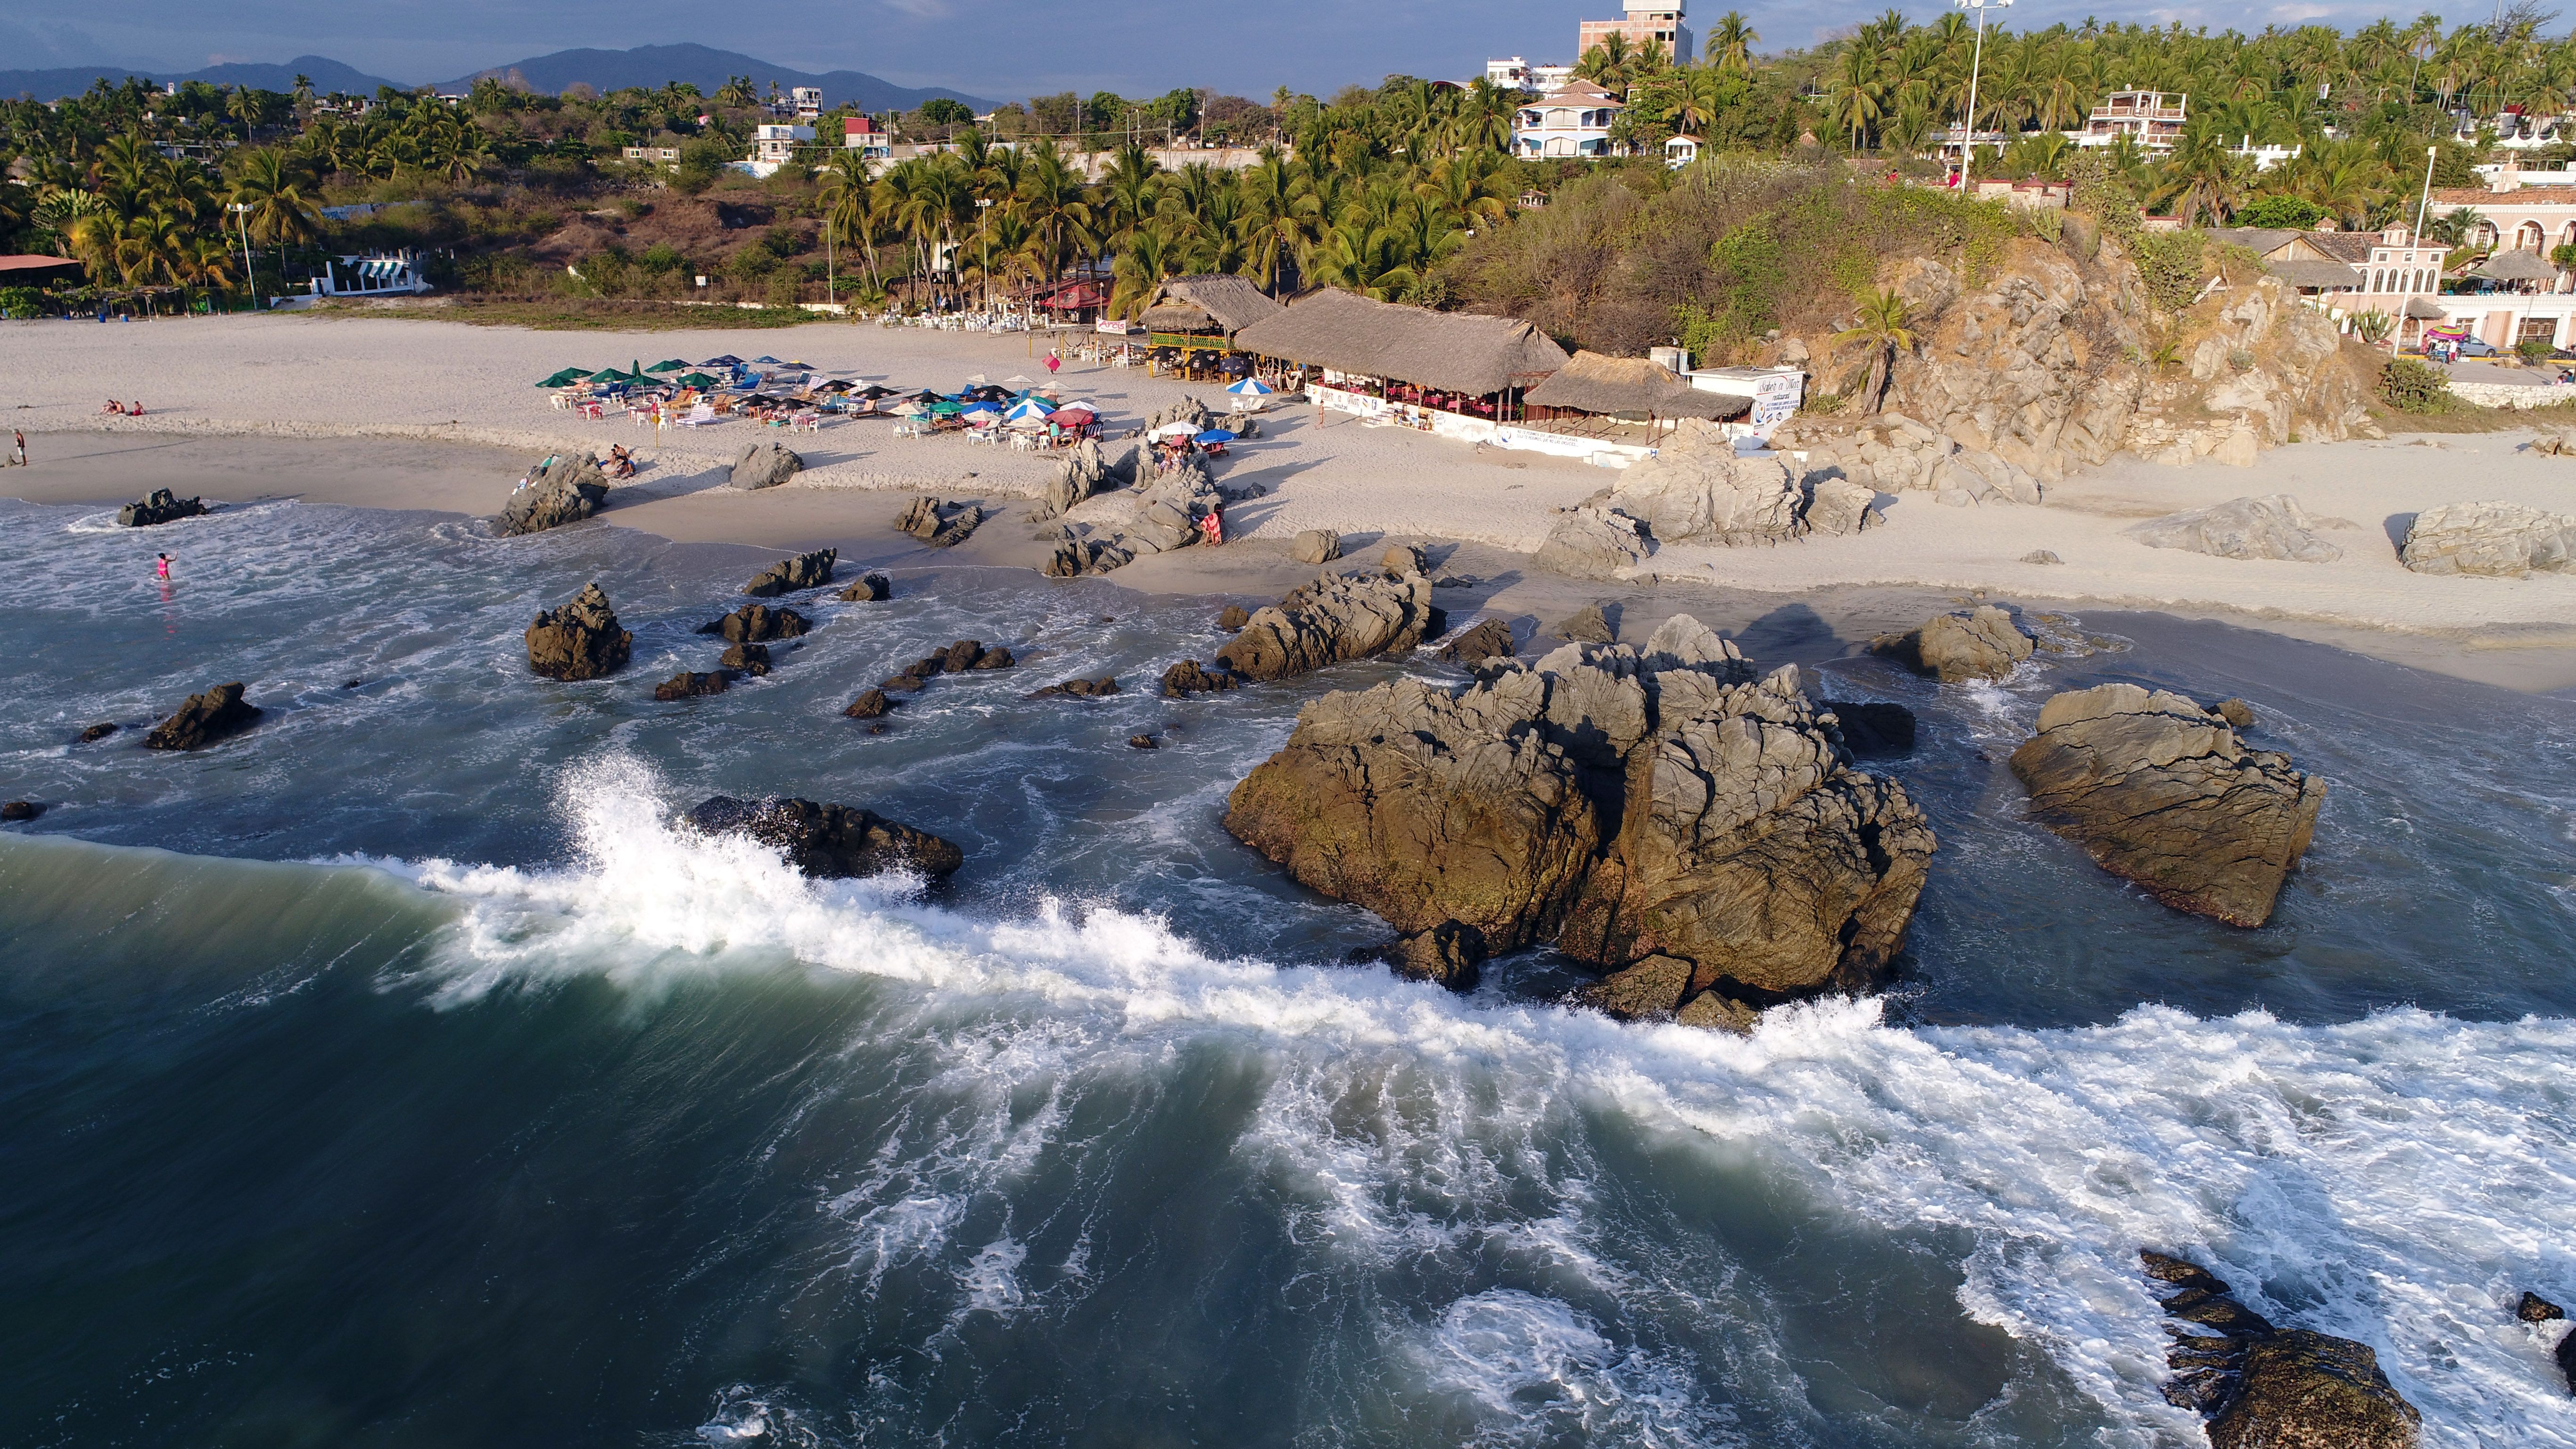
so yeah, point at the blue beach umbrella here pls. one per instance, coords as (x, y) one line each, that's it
(1026, 408)
(1252, 387)
(1214, 435)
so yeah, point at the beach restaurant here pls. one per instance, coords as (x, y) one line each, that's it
(1628, 399)
(1191, 322)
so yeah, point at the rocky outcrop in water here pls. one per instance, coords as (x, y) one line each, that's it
(1329, 621)
(1624, 804)
(2159, 791)
(765, 463)
(747, 659)
(1592, 543)
(829, 841)
(561, 490)
(160, 506)
(867, 589)
(2269, 527)
(19, 811)
(2499, 540)
(1489, 640)
(1191, 677)
(217, 714)
(758, 624)
(1100, 688)
(581, 640)
(1983, 643)
(689, 685)
(97, 732)
(871, 704)
(941, 525)
(1315, 546)
(2262, 1387)
(966, 656)
(793, 575)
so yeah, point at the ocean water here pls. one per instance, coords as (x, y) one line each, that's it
(398, 1073)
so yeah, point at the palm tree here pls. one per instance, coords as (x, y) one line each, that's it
(737, 92)
(848, 195)
(2202, 176)
(1731, 41)
(1884, 325)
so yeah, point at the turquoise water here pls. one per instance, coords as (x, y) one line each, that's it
(397, 1074)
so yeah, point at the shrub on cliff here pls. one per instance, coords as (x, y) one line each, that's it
(2411, 387)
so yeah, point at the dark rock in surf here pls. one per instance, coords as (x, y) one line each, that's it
(868, 589)
(829, 841)
(685, 685)
(941, 525)
(561, 490)
(2535, 1309)
(1984, 643)
(218, 713)
(160, 506)
(1489, 640)
(18, 810)
(1232, 617)
(1190, 677)
(1143, 742)
(97, 732)
(871, 705)
(758, 624)
(581, 640)
(1873, 730)
(1099, 688)
(2158, 791)
(2262, 1387)
(2237, 713)
(793, 575)
(750, 659)
(1449, 954)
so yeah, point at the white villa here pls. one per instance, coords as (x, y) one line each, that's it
(774, 146)
(2153, 118)
(1572, 120)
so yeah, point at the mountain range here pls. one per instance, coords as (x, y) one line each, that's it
(651, 66)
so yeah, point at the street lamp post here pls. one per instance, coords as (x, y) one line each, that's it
(250, 285)
(1968, 131)
(982, 205)
(2427, 199)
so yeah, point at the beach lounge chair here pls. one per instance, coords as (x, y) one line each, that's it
(592, 410)
(699, 416)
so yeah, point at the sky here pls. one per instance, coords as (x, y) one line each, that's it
(998, 49)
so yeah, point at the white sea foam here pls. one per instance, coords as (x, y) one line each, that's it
(2395, 1180)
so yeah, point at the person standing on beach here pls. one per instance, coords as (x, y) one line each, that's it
(18, 447)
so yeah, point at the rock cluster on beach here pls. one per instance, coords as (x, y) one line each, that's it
(1892, 453)
(2268, 527)
(1636, 807)
(1089, 467)
(829, 841)
(941, 525)
(580, 640)
(2503, 540)
(1699, 489)
(160, 506)
(1982, 643)
(2262, 1387)
(1331, 620)
(563, 489)
(217, 714)
(793, 575)
(765, 463)
(2159, 791)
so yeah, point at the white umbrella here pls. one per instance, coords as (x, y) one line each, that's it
(1170, 430)
(1252, 387)
(979, 380)
(1016, 380)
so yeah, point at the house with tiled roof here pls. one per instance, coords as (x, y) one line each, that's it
(2350, 273)
(1572, 120)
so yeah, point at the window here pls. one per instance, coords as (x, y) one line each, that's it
(2538, 329)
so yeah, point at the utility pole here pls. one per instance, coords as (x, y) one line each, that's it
(2427, 199)
(984, 225)
(249, 285)
(1968, 133)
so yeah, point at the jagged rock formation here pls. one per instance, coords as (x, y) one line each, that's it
(765, 463)
(941, 525)
(966, 656)
(2502, 540)
(2269, 527)
(1088, 468)
(1705, 492)
(1489, 640)
(1331, 620)
(1592, 543)
(829, 841)
(159, 506)
(749, 659)
(1188, 410)
(1191, 677)
(871, 704)
(867, 589)
(793, 575)
(687, 685)
(217, 714)
(758, 624)
(563, 490)
(1626, 804)
(1984, 643)
(1893, 453)
(2262, 1387)
(581, 640)
(1587, 625)
(2159, 791)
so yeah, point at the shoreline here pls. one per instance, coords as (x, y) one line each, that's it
(471, 480)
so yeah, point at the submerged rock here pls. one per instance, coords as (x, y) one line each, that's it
(1099, 688)
(867, 589)
(581, 640)
(758, 624)
(2501, 540)
(1622, 803)
(160, 506)
(765, 464)
(829, 841)
(1143, 742)
(2262, 1387)
(16, 811)
(686, 685)
(1330, 621)
(2269, 527)
(793, 575)
(98, 732)
(1982, 644)
(2158, 791)
(218, 713)
(561, 490)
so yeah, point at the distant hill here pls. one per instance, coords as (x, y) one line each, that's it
(654, 66)
(326, 74)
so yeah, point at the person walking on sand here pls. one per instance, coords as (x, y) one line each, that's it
(1055, 359)
(161, 568)
(18, 447)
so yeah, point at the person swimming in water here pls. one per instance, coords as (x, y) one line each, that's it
(162, 568)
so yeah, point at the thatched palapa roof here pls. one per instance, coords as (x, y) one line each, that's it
(2328, 275)
(1630, 387)
(2515, 266)
(1451, 351)
(1225, 304)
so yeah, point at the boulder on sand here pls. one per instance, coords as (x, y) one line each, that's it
(581, 640)
(2499, 540)
(561, 490)
(765, 464)
(2268, 527)
(2158, 791)
(793, 575)
(1316, 546)
(1592, 543)
(1984, 643)
(159, 506)
(867, 589)
(758, 624)
(941, 525)
(2261, 1387)
(1622, 803)
(204, 719)
(829, 841)
(1587, 625)
(1330, 621)
(1709, 493)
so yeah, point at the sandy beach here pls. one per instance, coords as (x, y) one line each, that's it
(393, 412)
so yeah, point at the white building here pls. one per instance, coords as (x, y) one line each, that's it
(1680, 151)
(1512, 74)
(1648, 22)
(866, 137)
(2153, 118)
(773, 146)
(1572, 120)
(808, 102)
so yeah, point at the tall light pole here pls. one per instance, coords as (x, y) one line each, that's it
(249, 284)
(2427, 199)
(1968, 133)
(982, 205)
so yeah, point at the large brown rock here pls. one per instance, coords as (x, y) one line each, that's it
(1623, 803)
(829, 841)
(2262, 1387)
(793, 575)
(204, 719)
(1983, 643)
(581, 640)
(765, 464)
(559, 491)
(2159, 791)
(758, 624)
(1330, 621)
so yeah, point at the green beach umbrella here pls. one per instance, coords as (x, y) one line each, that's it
(945, 409)
(565, 378)
(695, 379)
(673, 364)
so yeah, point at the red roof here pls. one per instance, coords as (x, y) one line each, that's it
(857, 126)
